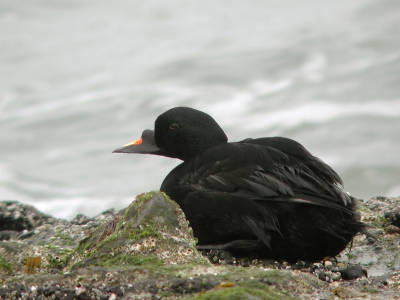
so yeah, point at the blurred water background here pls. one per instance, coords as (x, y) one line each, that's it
(81, 78)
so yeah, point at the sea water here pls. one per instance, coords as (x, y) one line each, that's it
(81, 78)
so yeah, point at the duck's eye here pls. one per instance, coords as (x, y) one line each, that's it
(173, 126)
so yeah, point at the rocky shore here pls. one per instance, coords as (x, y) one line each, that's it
(147, 251)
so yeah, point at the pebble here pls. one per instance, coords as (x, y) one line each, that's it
(336, 276)
(328, 264)
(391, 229)
(353, 273)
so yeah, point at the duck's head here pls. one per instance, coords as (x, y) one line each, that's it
(180, 132)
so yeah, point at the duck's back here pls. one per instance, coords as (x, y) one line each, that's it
(266, 196)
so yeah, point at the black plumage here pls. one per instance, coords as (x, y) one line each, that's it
(268, 196)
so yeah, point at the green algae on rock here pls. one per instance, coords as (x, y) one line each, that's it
(151, 231)
(244, 290)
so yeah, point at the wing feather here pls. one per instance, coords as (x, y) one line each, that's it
(286, 173)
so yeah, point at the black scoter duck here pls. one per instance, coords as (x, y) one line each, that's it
(267, 196)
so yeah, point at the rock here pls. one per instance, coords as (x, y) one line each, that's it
(147, 251)
(391, 229)
(336, 276)
(15, 216)
(353, 273)
(151, 231)
(321, 274)
(393, 215)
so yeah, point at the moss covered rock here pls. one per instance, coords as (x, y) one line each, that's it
(151, 231)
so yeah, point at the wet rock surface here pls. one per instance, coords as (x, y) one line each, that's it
(147, 251)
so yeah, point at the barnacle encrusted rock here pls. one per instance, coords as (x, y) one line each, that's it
(142, 253)
(151, 231)
(16, 217)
